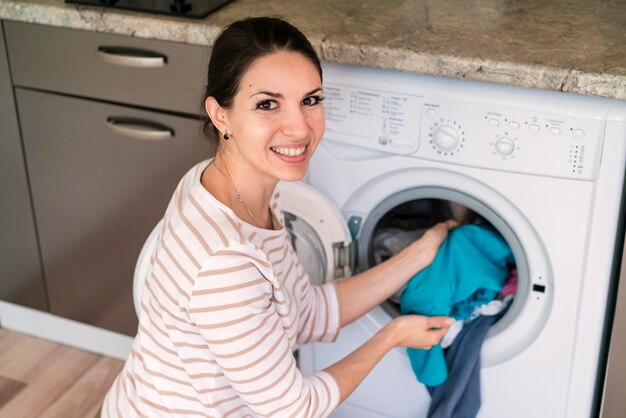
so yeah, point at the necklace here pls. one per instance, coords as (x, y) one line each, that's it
(240, 196)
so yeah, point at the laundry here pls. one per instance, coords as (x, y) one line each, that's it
(390, 241)
(510, 287)
(469, 270)
(489, 309)
(454, 330)
(459, 396)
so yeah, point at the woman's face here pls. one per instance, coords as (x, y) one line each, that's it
(277, 118)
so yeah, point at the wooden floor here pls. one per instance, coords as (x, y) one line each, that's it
(42, 379)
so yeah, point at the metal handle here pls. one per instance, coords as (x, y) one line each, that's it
(344, 258)
(140, 129)
(130, 57)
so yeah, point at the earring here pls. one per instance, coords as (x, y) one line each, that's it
(226, 137)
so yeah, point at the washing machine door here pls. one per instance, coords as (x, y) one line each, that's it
(318, 231)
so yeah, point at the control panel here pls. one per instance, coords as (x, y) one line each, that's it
(377, 119)
(511, 139)
(457, 132)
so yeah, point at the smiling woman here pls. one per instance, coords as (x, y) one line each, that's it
(275, 123)
(226, 299)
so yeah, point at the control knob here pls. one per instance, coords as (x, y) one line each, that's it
(505, 146)
(446, 138)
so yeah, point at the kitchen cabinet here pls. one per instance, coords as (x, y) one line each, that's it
(21, 278)
(614, 402)
(106, 139)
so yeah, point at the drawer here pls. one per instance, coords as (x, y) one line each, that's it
(150, 73)
(100, 181)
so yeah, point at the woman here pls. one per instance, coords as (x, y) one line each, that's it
(226, 300)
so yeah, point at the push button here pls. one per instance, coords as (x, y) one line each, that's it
(431, 113)
(578, 134)
(534, 128)
(494, 123)
(554, 131)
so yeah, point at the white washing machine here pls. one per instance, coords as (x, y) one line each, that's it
(545, 168)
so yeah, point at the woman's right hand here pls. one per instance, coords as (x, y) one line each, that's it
(413, 331)
(417, 331)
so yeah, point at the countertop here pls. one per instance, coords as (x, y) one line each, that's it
(574, 46)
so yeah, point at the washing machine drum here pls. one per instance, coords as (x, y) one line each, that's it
(403, 217)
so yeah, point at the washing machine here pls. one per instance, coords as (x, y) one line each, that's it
(544, 168)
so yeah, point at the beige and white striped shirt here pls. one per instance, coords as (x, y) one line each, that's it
(224, 305)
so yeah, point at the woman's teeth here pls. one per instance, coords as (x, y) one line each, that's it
(292, 152)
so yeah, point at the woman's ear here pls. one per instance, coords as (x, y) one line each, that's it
(216, 113)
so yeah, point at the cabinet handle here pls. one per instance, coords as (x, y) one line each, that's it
(140, 129)
(131, 57)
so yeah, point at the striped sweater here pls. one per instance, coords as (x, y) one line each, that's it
(224, 305)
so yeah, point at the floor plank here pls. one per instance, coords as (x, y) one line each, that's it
(39, 378)
(21, 356)
(85, 397)
(8, 389)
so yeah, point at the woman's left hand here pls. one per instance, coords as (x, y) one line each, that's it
(432, 239)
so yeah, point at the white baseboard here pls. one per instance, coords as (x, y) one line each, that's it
(64, 331)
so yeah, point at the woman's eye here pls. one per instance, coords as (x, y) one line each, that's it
(312, 100)
(266, 105)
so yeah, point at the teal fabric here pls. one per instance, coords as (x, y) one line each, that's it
(469, 269)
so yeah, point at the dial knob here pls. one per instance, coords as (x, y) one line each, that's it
(505, 146)
(446, 138)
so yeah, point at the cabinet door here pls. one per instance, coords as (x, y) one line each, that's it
(614, 402)
(97, 194)
(20, 270)
(108, 67)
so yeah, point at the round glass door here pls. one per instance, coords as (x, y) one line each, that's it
(309, 247)
(420, 191)
(318, 232)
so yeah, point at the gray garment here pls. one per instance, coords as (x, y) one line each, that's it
(389, 242)
(459, 395)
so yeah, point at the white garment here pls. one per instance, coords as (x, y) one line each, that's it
(488, 309)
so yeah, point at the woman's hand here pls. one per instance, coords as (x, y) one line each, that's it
(432, 239)
(416, 331)
(360, 293)
(413, 331)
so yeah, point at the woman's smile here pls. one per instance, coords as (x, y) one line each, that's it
(290, 154)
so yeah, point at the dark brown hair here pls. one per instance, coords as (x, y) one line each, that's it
(242, 43)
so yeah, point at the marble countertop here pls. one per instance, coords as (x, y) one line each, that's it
(576, 46)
